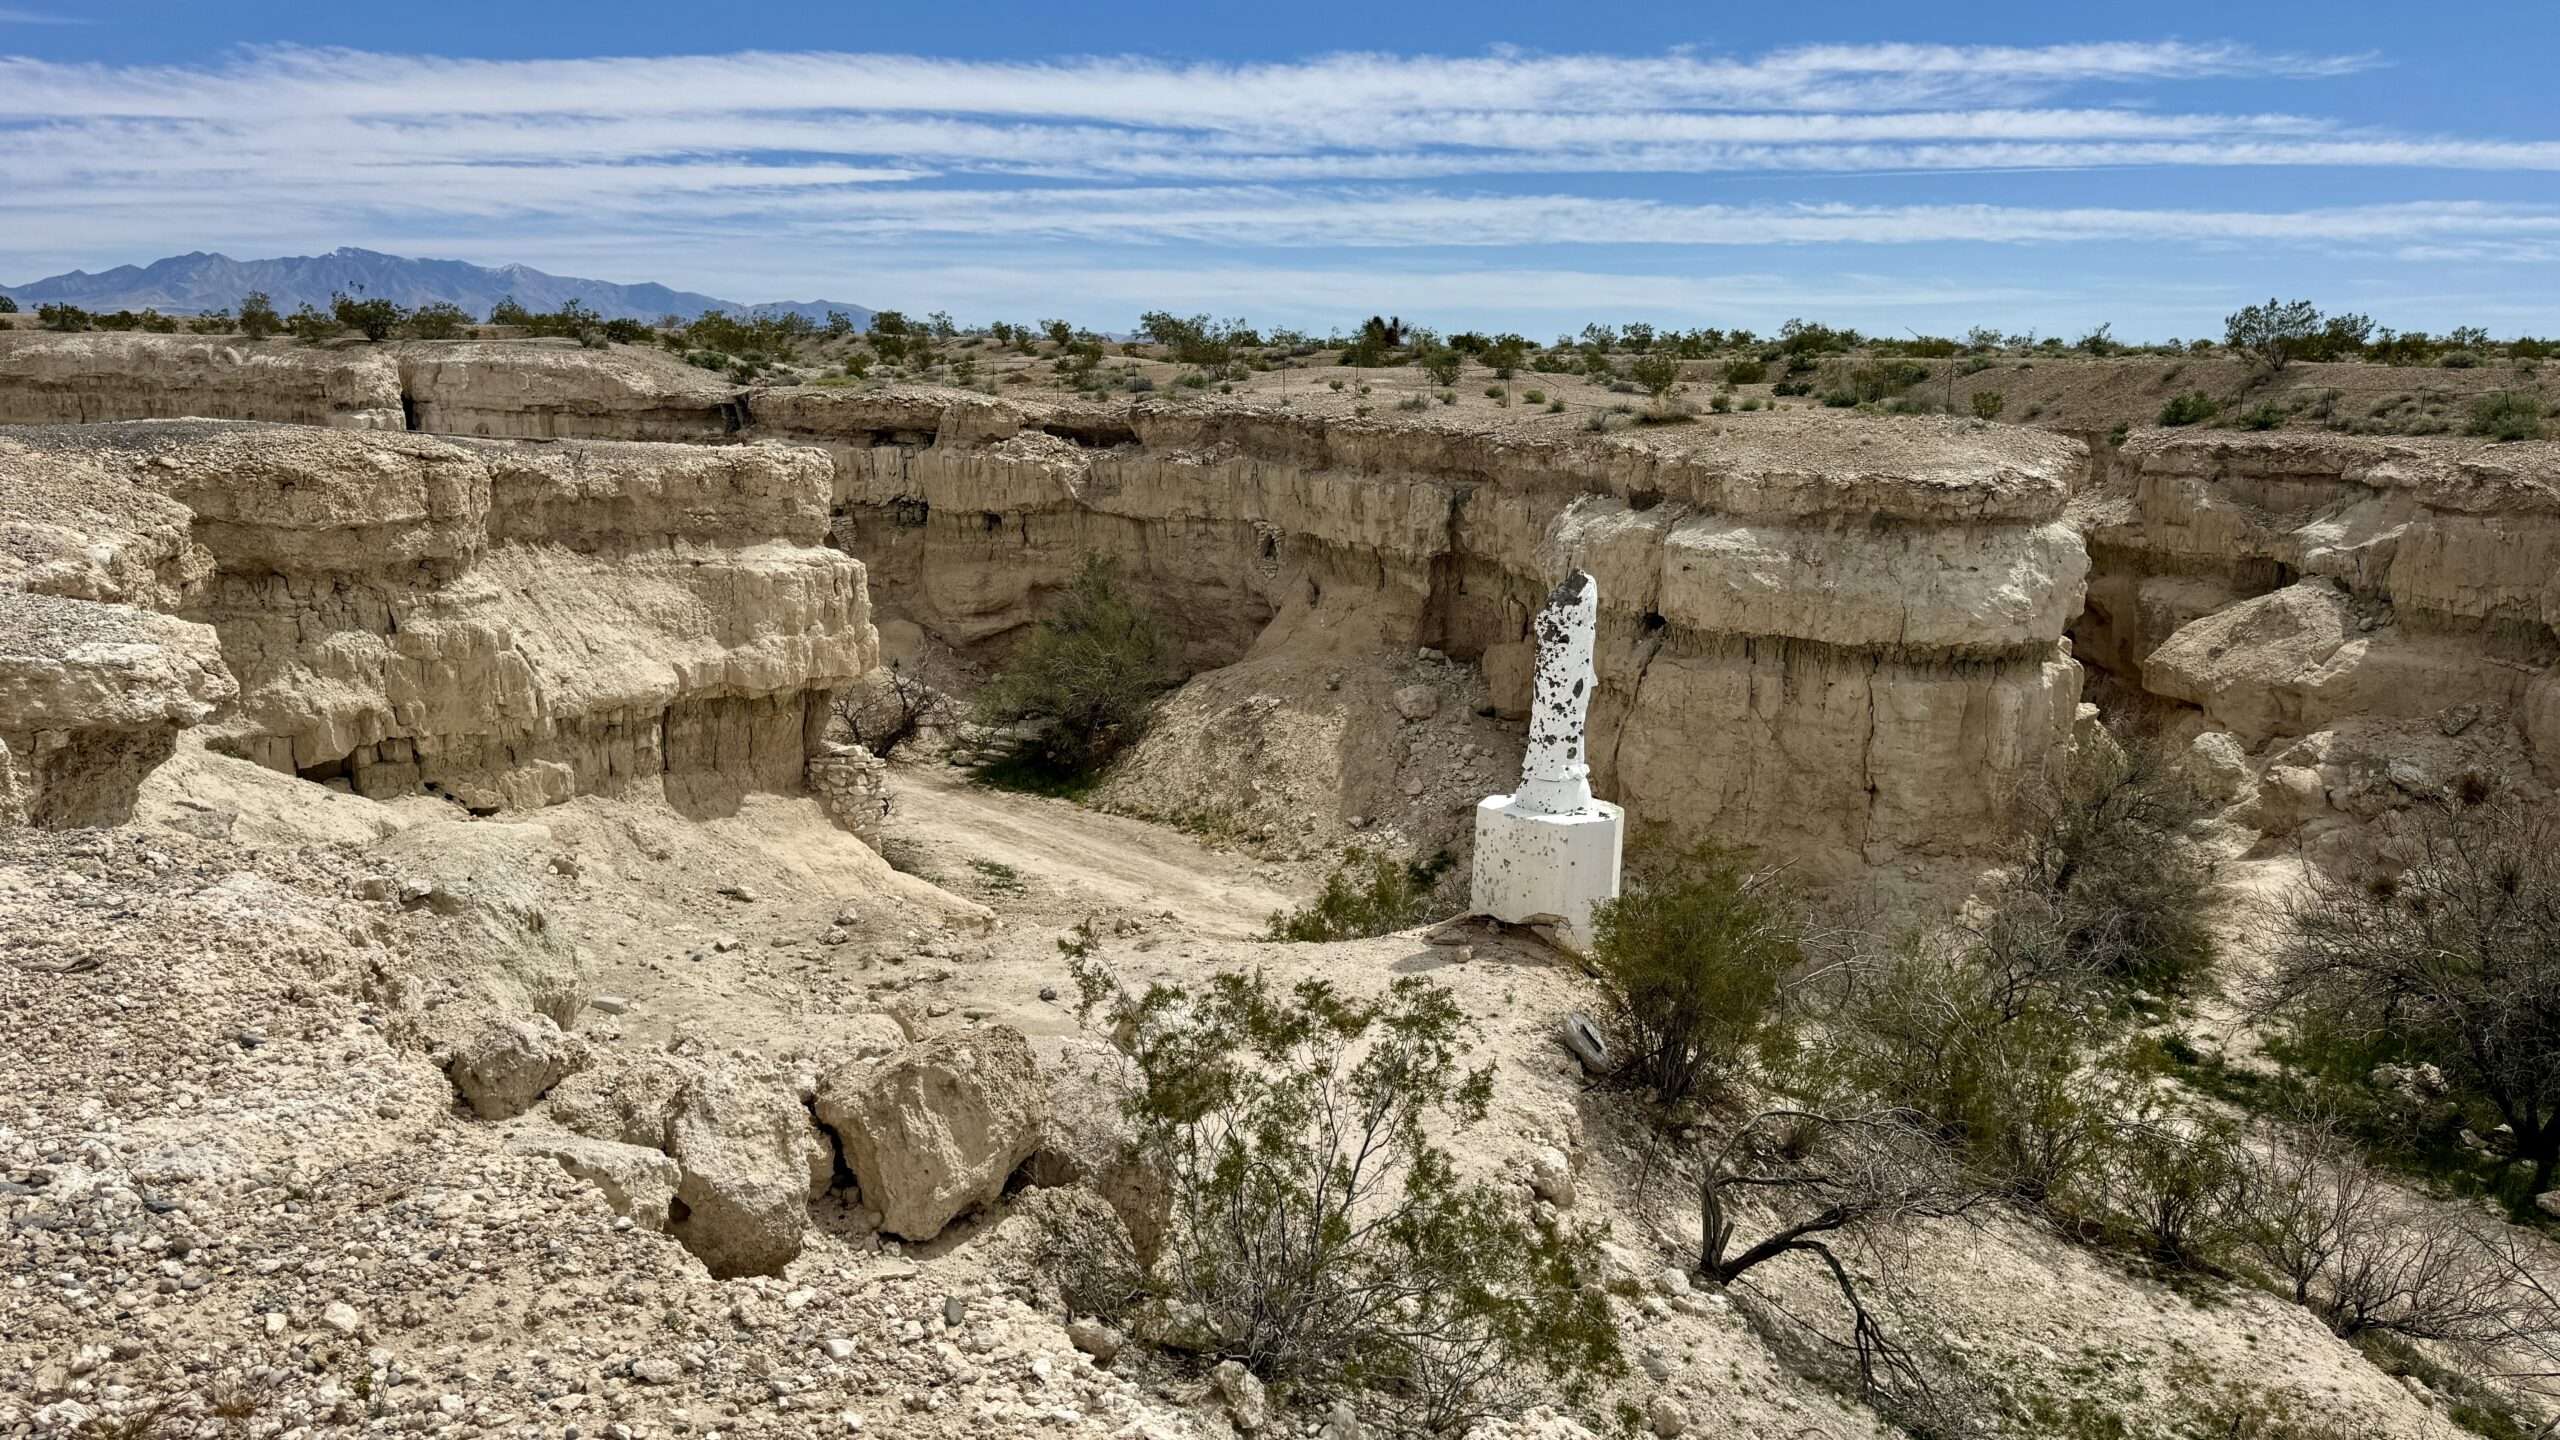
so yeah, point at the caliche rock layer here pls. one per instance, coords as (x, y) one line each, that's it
(932, 1131)
(506, 626)
(2362, 621)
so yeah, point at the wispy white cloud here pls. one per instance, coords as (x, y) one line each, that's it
(748, 160)
(12, 15)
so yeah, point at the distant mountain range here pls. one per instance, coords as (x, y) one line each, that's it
(192, 284)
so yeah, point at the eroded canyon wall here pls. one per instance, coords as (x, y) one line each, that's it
(2368, 619)
(505, 625)
(1836, 638)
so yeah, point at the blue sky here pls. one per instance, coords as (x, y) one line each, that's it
(2037, 167)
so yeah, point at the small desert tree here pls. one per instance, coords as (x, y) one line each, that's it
(1987, 1056)
(1091, 668)
(2454, 960)
(440, 320)
(1319, 1233)
(884, 710)
(258, 317)
(374, 318)
(2369, 1258)
(2274, 334)
(1818, 1182)
(1690, 959)
(1656, 371)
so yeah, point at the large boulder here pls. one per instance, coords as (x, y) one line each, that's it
(506, 1065)
(745, 1152)
(933, 1130)
(1089, 1141)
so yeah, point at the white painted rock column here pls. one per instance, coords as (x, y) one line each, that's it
(1549, 853)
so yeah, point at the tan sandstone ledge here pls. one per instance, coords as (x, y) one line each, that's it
(504, 625)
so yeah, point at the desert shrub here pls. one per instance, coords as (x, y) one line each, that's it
(1933, 1027)
(1319, 1235)
(63, 317)
(1442, 364)
(2267, 416)
(2373, 1261)
(8, 306)
(2178, 1186)
(258, 317)
(2192, 407)
(2505, 415)
(1720, 403)
(1197, 339)
(889, 707)
(373, 318)
(1534, 397)
(1091, 669)
(2449, 955)
(1690, 958)
(2459, 360)
(211, 322)
(1987, 404)
(1368, 894)
(1745, 372)
(1750, 403)
(1805, 338)
(312, 326)
(2108, 880)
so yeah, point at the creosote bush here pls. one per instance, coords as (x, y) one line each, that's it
(1368, 894)
(2506, 415)
(1091, 669)
(374, 317)
(2192, 407)
(1319, 1234)
(1690, 958)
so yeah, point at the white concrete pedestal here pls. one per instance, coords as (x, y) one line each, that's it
(1533, 868)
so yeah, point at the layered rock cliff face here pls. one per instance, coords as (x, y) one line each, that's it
(504, 625)
(1838, 639)
(2366, 618)
(542, 390)
(48, 379)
